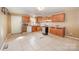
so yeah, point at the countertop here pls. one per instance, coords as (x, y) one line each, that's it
(49, 26)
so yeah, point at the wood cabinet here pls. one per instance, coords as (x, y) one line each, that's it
(36, 28)
(58, 17)
(39, 19)
(39, 28)
(43, 19)
(57, 31)
(26, 19)
(60, 32)
(24, 28)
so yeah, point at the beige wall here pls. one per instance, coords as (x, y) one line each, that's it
(72, 21)
(3, 28)
(8, 24)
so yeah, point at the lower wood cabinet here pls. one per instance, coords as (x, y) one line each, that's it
(57, 31)
(36, 28)
(24, 28)
(61, 32)
(39, 28)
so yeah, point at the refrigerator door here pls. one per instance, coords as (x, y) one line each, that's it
(29, 28)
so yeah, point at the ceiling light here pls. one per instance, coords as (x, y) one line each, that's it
(40, 8)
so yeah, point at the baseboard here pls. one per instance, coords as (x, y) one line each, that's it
(3, 43)
(72, 37)
(1, 46)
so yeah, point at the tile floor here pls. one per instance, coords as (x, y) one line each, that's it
(36, 41)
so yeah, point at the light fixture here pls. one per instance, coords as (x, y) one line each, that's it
(40, 8)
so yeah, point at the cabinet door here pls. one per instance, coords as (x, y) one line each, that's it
(49, 30)
(58, 17)
(52, 30)
(34, 28)
(26, 19)
(58, 31)
(38, 28)
(24, 28)
(54, 18)
(39, 19)
(61, 32)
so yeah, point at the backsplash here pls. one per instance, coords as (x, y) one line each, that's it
(49, 24)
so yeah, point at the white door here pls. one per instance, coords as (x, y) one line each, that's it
(16, 24)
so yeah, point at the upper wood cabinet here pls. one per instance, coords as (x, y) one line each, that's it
(58, 17)
(39, 19)
(43, 19)
(26, 19)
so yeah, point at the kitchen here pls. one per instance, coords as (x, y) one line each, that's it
(54, 23)
(51, 25)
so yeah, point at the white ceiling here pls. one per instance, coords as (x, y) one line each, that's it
(33, 10)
